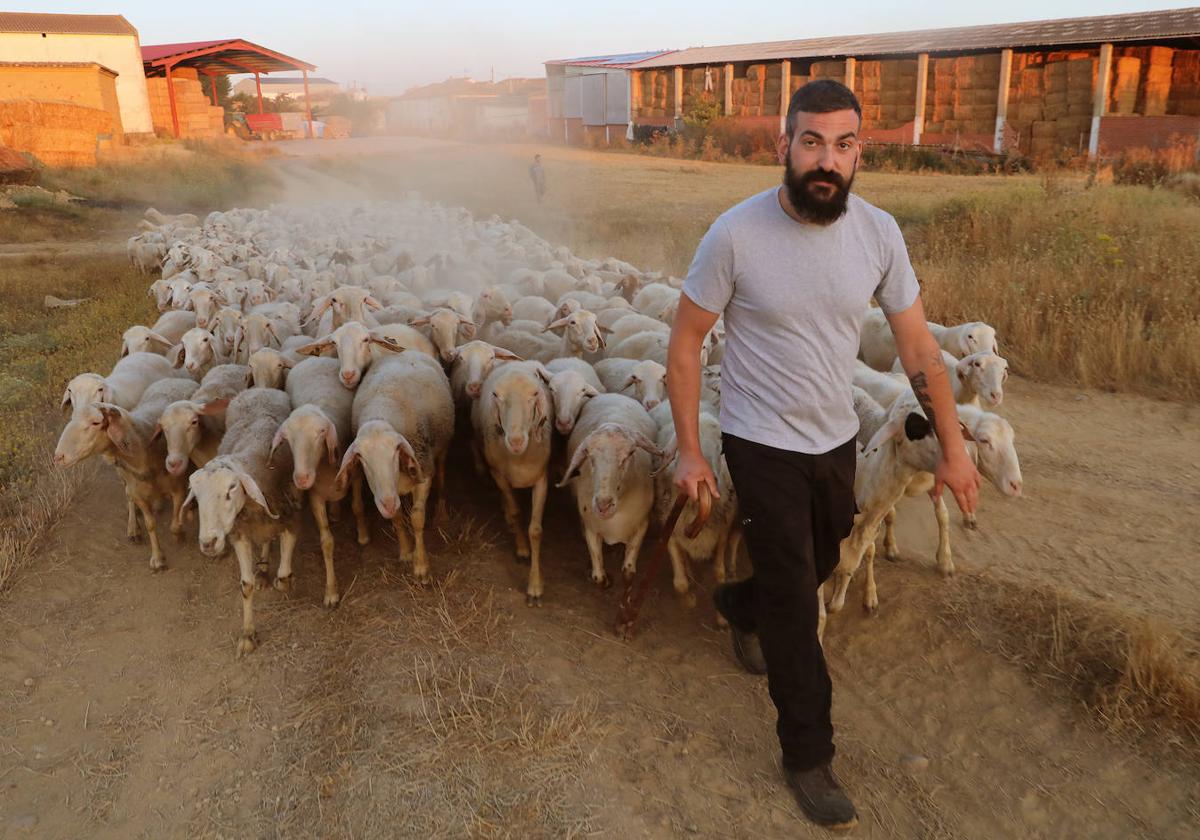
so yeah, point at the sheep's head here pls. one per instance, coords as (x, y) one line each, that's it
(602, 460)
(92, 430)
(352, 343)
(477, 359)
(227, 322)
(570, 392)
(139, 339)
(520, 406)
(445, 326)
(83, 390)
(388, 461)
(181, 427)
(221, 491)
(580, 331)
(492, 305)
(205, 302)
(977, 337)
(268, 368)
(195, 350)
(311, 435)
(986, 373)
(649, 381)
(996, 443)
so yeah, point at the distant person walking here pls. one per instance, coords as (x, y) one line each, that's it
(538, 175)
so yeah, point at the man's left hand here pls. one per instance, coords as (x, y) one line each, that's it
(961, 476)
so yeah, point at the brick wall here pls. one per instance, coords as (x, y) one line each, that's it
(1119, 133)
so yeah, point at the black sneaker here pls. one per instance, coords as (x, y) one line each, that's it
(745, 645)
(822, 798)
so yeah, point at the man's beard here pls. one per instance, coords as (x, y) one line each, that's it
(821, 210)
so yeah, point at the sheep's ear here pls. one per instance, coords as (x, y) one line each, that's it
(507, 355)
(348, 461)
(644, 442)
(65, 406)
(276, 442)
(157, 432)
(176, 355)
(966, 433)
(117, 427)
(632, 380)
(407, 460)
(370, 302)
(287, 362)
(419, 322)
(600, 338)
(886, 432)
(557, 325)
(387, 343)
(313, 349)
(214, 407)
(124, 349)
(163, 340)
(605, 330)
(251, 488)
(249, 377)
(668, 457)
(191, 497)
(543, 373)
(467, 327)
(589, 391)
(573, 468)
(331, 444)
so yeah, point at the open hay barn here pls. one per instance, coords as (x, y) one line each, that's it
(1093, 85)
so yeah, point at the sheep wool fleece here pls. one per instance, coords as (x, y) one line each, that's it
(794, 296)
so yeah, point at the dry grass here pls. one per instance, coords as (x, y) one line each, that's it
(1136, 675)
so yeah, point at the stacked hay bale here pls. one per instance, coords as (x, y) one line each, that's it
(1123, 90)
(961, 94)
(1067, 109)
(887, 91)
(1156, 83)
(56, 133)
(1026, 93)
(749, 94)
(798, 79)
(1185, 83)
(657, 93)
(197, 118)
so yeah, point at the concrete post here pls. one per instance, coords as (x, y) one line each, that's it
(308, 126)
(785, 93)
(1100, 98)
(171, 99)
(851, 64)
(1002, 100)
(728, 89)
(922, 90)
(678, 95)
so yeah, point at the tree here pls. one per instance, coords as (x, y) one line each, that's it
(223, 89)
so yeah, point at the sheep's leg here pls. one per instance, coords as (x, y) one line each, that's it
(441, 512)
(629, 567)
(177, 498)
(245, 556)
(533, 592)
(477, 458)
(851, 550)
(133, 530)
(870, 593)
(512, 515)
(969, 522)
(319, 514)
(262, 571)
(945, 562)
(679, 578)
(287, 547)
(334, 510)
(595, 547)
(416, 518)
(403, 537)
(356, 505)
(890, 550)
(157, 561)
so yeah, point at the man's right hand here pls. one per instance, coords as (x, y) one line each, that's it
(690, 472)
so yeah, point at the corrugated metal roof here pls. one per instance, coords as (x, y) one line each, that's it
(226, 57)
(297, 80)
(37, 22)
(619, 60)
(1138, 26)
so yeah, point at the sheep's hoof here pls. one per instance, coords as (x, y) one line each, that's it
(364, 538)
(892, 556)
(247, 644)
(157, 564)
(687, 599)
(179, 537)
(533, 600)
(871, 608)
(628, 574)
(332, 599)
(523, 557)
(947, 571)
(283, 584)
(971, 524)
(605, 582)
(422, 579)
(136, 539)
(261, 581)
(722, 624)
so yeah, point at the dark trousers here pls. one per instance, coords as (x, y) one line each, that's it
(796, 509)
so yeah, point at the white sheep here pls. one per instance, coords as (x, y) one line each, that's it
(657, 300)
(192, 428)
(648, 344)
(964, 339)
(470, 365)
(123, 386)
(127, 439)
(403, 419)
(511, 422)
(317, 431)
(534, 308)
(645, 381)
(197, 352)
(446, 327)
(609, 470)
(247, 502)
(358, 346)
(580, 334)
(978, 378)
(632, 323)
(161, 337)
(572, 383)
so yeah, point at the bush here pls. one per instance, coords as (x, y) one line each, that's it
(894, 157)
(1154, 167)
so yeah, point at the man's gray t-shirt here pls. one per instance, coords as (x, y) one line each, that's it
(794, 296)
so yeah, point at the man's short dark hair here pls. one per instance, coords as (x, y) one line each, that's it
(822, 96)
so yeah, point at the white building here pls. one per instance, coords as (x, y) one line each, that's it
(108, 40)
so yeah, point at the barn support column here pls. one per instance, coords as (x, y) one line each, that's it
(258, 87)
(1002, 100)
(212, 87)
(851, 66)
(728, 109)
(1100, 98)
(171, 99)
(308, 126)
(922, 91)
(678, 97)
(785, 93)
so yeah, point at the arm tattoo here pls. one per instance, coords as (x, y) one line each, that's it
(920, 386)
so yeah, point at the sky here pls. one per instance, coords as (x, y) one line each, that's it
(388, 49)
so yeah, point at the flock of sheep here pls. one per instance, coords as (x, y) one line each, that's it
(301, 351)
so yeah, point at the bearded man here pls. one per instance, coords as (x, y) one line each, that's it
(793, 270)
